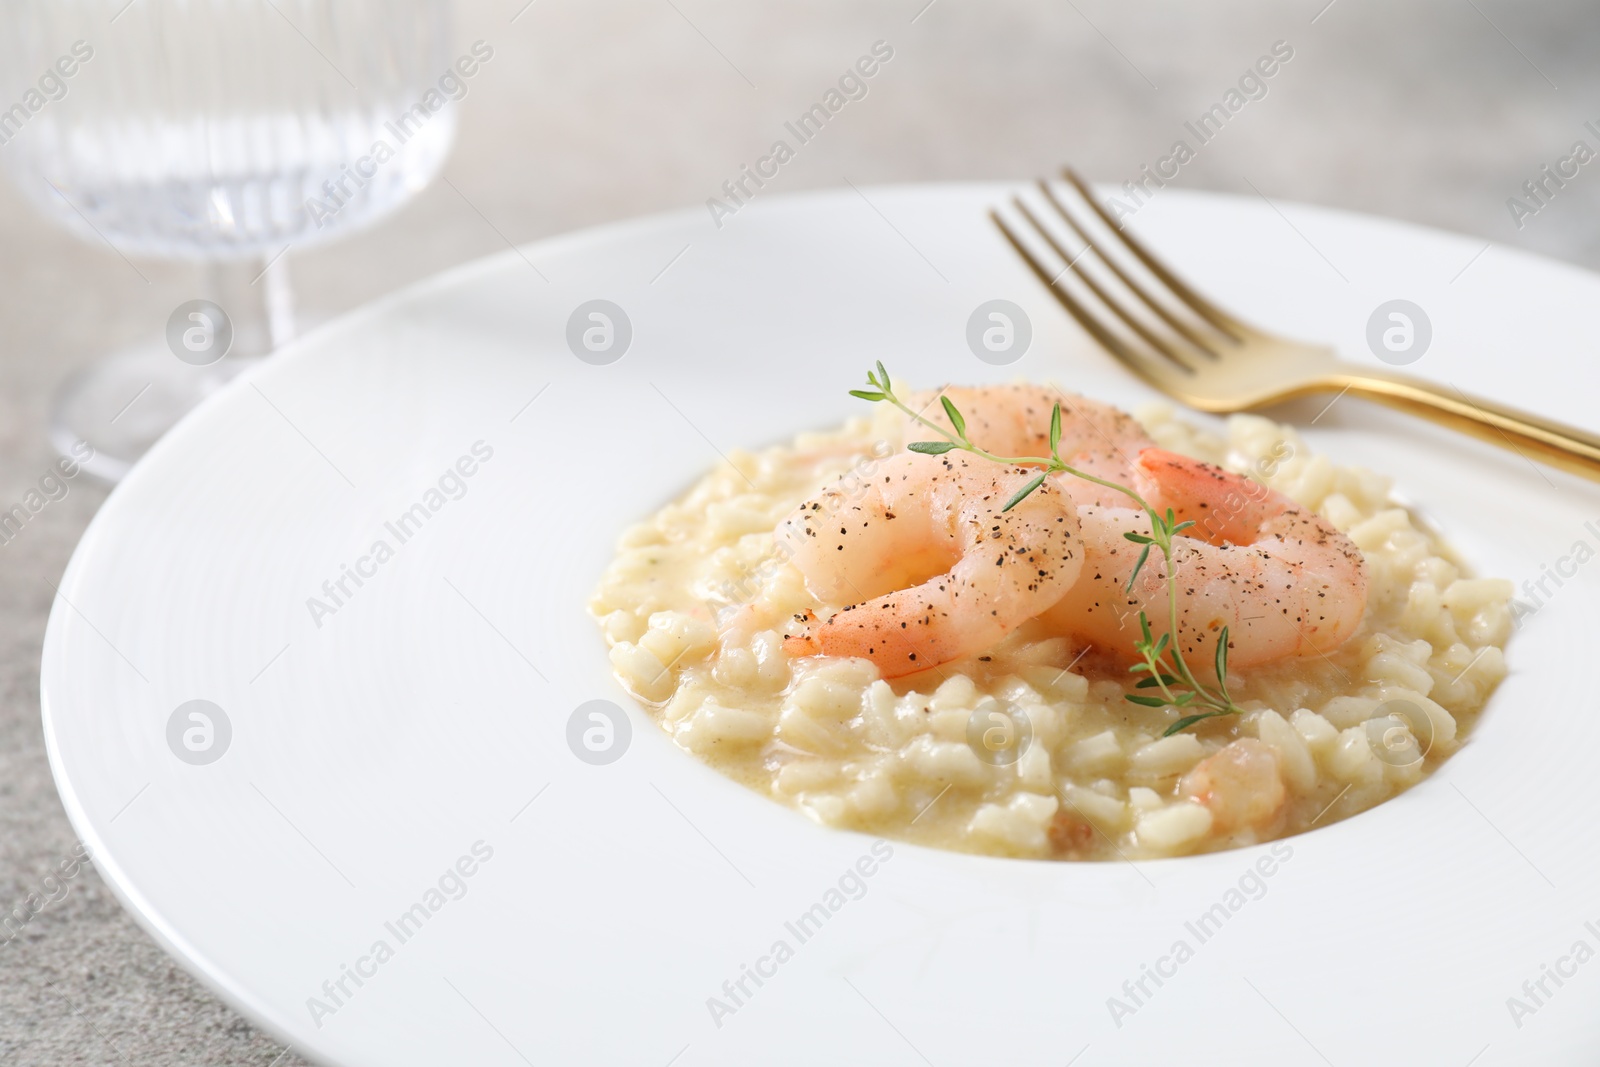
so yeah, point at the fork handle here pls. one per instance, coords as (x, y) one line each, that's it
(1564, 447)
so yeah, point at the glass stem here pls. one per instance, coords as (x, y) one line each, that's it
(258, 299)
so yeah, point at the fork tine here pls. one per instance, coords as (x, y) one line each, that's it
(1131, 321)
(1157, 307)
(1159, 373)
(1197, 303)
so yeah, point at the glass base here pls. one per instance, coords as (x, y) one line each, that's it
(117, 407)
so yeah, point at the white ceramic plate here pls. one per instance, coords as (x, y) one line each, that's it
(373, 747)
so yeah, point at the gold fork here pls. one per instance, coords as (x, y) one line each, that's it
(1182, 343)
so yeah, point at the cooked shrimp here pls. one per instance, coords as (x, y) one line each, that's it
(1281, 579)
(1014, 420)
(1240, 784)
(876, 546)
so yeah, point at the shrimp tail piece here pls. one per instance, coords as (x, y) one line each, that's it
(802, 644)
(1283, 580)
(930, 563)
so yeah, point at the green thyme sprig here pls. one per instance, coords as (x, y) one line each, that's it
(1160, 659)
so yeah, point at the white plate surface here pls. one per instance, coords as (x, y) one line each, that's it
(370, 752)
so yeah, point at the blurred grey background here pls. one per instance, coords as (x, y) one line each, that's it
(1434, 111)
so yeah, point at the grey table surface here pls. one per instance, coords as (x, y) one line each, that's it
(1434, 111)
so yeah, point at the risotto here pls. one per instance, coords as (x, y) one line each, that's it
(1031, 749)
